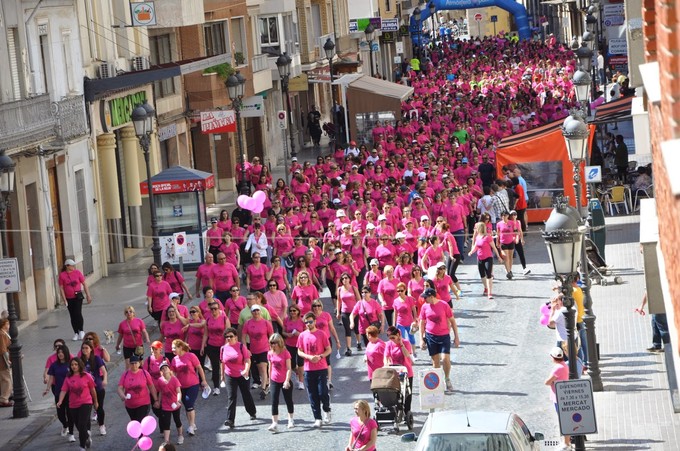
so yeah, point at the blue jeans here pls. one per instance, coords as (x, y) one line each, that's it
(583, 350)
(660, 330)
(317, 390)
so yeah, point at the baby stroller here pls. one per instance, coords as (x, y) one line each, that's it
(597, 267)
(390, 388)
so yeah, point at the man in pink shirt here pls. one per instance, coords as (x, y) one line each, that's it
(313, 347)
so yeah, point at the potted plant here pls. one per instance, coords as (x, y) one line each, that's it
(240, 59)
(223, 70)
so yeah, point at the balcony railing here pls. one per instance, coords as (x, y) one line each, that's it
(26, 121)
(70, 114)
(260, 62)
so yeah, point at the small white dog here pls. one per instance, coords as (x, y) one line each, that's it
(109, 336)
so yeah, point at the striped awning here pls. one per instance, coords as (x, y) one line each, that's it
(616, 110)
(529, 135)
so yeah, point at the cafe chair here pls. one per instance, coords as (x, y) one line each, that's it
(647, 191)
(616, 196)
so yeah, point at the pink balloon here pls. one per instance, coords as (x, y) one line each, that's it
(258, 208)
(250, 204)
(242, 200)
(545, 309)
(545, 320)
(260, 196)
(145, 443)
(148, 425)
(134, 429)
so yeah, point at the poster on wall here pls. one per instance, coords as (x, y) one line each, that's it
(143, 14)
(193, 249)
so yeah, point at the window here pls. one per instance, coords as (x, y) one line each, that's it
(161, 52)
(388, 6)
(291, 35)
(45, 61)
(238, 41)
(269, 35)
(216, 40)
(14, 59)
(68, 61)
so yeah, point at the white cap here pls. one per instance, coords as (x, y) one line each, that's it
(399, 235)
(422, 176)
(294, 159)
(174, 295)
(382, 218)
(557, 353)
(441, 265)
(375, 262)
(69, 262)
(255, 307)
(354, 166)
(346, 226)
(424, 218)
(337, 251)
(370, 225)
(339, 213)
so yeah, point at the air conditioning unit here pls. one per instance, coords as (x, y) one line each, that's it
(107, 69)
(139, 63)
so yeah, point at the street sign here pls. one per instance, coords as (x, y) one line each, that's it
(180, 241)
(494, 18)
(432, 388)
(593, 174)
(479, 17)
(399, 46)
(575, 407)
(9, 275)
(282, 116)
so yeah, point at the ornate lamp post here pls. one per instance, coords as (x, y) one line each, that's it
(283, 65)
(563, 237)
(416, 17)
(433, 10)
(329, 49)
(370, 36)
(142, 119)
(235, 88)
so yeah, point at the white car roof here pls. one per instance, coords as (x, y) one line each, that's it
(456, 422)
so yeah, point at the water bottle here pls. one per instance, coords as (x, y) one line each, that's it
(173, 405)
(245, 375)
(128, 396)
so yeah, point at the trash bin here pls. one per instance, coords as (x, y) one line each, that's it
(598, 233)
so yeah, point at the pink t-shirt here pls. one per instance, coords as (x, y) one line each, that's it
(388, 289)
(366, 313)
(506, 232)
(224, 277)
(436, 317)
(322, 323)
(216, 327)
(204, 272)
(303, 296)
(195, 336)
(278, 302)
(278, 365)
(397, 356)
(152, 365)
(132, 332)
(374, 356)
(259, 332)
(234, 359)
(137, 386)
(361, 433)
(79, 388)
(442, 286)
(258, 281)
(184, 367)
(168, 392)
(483, 244)
(235, 306)
(288, 326)
(561, 372)
(348, 299)
(314, 343)
(404, 309)
(171, 331)
(279, 275)
(71, 282)
(159, 293)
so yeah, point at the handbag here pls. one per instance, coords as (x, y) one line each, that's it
(80, 296)
(139, 349)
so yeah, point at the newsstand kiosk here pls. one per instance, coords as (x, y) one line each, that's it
(179, 196)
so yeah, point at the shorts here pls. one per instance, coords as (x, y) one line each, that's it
(438, 344)
(128, 352)
(508, 246)
(189, 396)
(406, 333)
(295, 359)
(258, 358)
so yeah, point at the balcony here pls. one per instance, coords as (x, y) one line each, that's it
(26, 122)
(262, 75)
(70, 116)
(205, 91)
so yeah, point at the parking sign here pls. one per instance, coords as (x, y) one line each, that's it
(575, 407)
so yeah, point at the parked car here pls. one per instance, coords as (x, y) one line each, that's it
(458, 430)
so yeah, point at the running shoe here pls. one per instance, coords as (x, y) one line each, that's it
(216, 391)
(526, 271)
(274, 428)
(358, 346)
(291, 423)
(301, 385)
(102, 430)
(317, 423)
(449, 385)
(348, 352)
(327, 417)
(71, 438)
(180, 440)
(229, 424)
(191, 430)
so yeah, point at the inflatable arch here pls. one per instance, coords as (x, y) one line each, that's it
(514, 8)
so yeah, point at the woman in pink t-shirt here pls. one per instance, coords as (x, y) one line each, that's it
(258, 330)
(130, 332)
(292, 327)
(279, 274)
(256, 275)
(444, 284)
(485, 248)
(347, 297)
(235, 359)
(405, 307)
(234, 305)
(188, 369)
(304, 292)
(171, 329)
(158, 296)
(387, 291)
(195, 331)
(367, 312)
(375, 350)
(216, 323)
(398, 352)
(79, 385)
(170, 393)
(505, 241)
(276, 300)
(136, 390)
(364, 429)
(280, 374)
(74, 291)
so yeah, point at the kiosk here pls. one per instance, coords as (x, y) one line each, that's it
(179, 195)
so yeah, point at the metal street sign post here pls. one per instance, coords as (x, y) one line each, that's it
(575, 407)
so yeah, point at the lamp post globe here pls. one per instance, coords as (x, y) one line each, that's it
(575, 133)
(139, 120)
(582, 83)
(232, 84)
(329, 48)
(584, 54)
(416, 14)
(563, 239)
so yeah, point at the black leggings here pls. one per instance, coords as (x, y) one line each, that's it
(389, 314)
(201, 357)
(75, 310)
(165, 417)
(520, 252)
(276, 388)
(345, 324)
(81, 419)
(138, 413)
(485, 268)
(452, 266)
(63, 412)
(520, 216)
(213, 353)
(101, 394)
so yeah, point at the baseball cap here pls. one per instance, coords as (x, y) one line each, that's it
(441, 265)
(429, 292)
(70, 262)
(160, 367)
(557, 353)
(346, 226)
(422, 175)
(157, 345)
(339, 213)
(255, 307)
(337, 251)
(135, 358)
(213, 220)
(174, 295)
(370, 225)
(424, 218)
(374, 262)
(354, 166)
(382, 218)
(399, 235)
(294, 159)
(465, 160)
(513, 212)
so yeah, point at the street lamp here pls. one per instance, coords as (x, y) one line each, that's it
(564, 239)
(576, 134)
(20, 409)
(329, 49)
(283, 65)
(370, 35)
(416, 17)
(142, 119)
(235, 88)
(581, 81)
(433, 10)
